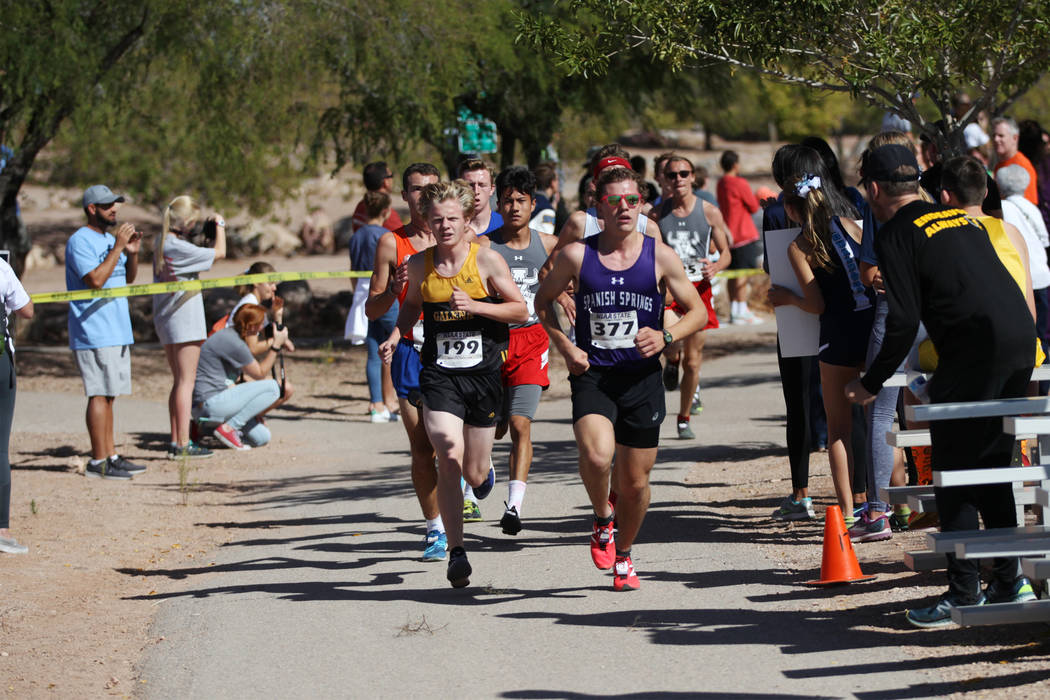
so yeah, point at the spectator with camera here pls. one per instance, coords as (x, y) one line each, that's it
(179, 316)
(265, 294)
(100, 328)
(238, 407)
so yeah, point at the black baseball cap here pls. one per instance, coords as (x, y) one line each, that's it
(882, 164)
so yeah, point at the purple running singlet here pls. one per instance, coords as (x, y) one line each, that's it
(611, 305)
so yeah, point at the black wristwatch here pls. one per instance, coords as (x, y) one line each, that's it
(668, 338)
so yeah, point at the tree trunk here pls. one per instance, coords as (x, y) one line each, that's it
(508, 143)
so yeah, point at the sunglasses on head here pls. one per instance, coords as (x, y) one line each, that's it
(613, 200)
(671, 174)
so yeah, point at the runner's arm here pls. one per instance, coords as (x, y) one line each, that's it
(380, 296)
(670, 272)
(719, 237)
(410, 308)
(565, 272)
(498, 279)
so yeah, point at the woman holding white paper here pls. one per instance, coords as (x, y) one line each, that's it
(824, 258)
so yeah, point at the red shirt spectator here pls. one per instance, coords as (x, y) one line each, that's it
(738, 203)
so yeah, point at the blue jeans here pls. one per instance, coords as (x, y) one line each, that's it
(378, 331)
(237, 406)
(881, 412)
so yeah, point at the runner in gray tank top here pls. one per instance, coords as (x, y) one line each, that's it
(525, 369)
(696, 231)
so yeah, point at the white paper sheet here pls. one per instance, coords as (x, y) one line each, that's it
(798, 330)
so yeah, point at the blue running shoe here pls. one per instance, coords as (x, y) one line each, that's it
(436, 544)
(1018, 592)
(481, 492)
(937, 615)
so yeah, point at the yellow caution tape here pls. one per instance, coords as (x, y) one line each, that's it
(134, 290)
(733, 274)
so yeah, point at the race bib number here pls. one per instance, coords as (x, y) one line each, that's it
(459, 349)
(694, 270)
(613, 330)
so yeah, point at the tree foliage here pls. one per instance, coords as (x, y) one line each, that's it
(883, 51)
(159, 94)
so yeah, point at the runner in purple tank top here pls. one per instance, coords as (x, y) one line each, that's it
(617, 393)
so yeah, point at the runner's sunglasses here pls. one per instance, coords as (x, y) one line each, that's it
(683, 174)
(613, 200)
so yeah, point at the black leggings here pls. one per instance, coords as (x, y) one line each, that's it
(7, 412)
(796, 375)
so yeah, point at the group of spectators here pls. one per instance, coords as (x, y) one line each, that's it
(941, 269)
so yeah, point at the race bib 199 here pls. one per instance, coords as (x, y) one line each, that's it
(612, 330)
(459, 349)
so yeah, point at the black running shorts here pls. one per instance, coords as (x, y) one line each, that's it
(633, 403)
(475, 398)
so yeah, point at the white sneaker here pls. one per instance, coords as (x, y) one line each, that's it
(9, 545)
(748, 318)
(379, 416)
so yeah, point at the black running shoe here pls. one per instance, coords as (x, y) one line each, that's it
(106, 470)
(511, 521)
(458, 568)
(671, 376)
(130, 467)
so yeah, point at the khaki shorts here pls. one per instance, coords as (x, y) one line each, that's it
(105, 371)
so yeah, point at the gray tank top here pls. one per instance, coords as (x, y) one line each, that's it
(524, 268)
(689, 236)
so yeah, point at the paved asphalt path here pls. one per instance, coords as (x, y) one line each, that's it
(330, 599)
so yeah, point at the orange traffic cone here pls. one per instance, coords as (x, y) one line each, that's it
(839, 563)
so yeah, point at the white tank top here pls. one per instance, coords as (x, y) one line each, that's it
(592, 227)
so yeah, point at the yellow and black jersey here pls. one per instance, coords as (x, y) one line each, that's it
(457, 341)
(940, 268)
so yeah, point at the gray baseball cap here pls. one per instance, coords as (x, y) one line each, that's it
(100, 194)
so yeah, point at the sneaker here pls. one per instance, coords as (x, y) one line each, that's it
(471, 511)
(106, 470)
(436, 543)
(1020, 592)
(671, 376)
(684, 431)
(458, 568)
(748, 318)
(511, 521)
(379, 416)
(860, 510)
(127, 466)
(938, 615)
(697, 407)
(791, 509)
(481, 492)
(866, 530)
(9, 545)
(231, 437)
(624, 576)
(603, 545)
(899, 521)
(191, 450)
(924, 522)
